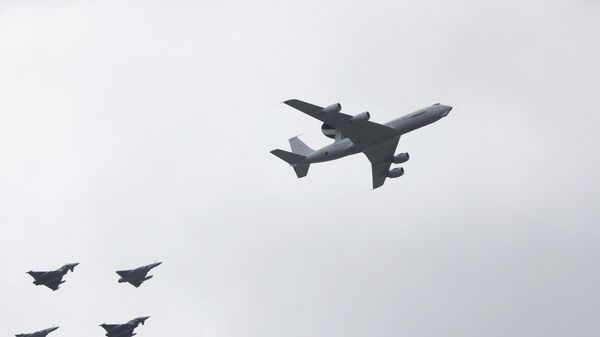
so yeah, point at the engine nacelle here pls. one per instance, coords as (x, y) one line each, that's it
(328, 130)
(401, 158)
(363, 116)
(396, 172)
(337, 107)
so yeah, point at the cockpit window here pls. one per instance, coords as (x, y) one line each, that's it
(418, 113)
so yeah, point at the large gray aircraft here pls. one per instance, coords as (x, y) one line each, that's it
(41, 333)
(355, 134)
(123, 330)
(51, 279)
(137, 276)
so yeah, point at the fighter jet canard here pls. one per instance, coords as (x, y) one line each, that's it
(123, 330)
(52, 279)
(41, 333)
(137, 276)
(355, 134)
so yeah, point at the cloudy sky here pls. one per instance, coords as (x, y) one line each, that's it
(140, 131)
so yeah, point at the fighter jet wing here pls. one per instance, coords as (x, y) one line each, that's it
(381, 160)
(120, 333)
(137, 282)
(53, 284)
(123, 273)
(37, 274)
(109, 327)
(359, 132)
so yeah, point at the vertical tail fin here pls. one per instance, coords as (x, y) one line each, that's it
(299, 147)
(295, 158)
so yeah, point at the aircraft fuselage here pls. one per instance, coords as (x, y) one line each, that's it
(405, 124)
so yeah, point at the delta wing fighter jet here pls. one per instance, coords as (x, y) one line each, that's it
(124, 330)
(41, 333)
(51, 279)
(355, 134)
(137, 276)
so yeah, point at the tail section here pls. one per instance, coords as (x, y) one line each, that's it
(299, 147)
(295, 158)
(288, 157)
(301, 170)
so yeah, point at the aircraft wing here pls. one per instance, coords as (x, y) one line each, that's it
(359, 132)
(120, 333)
(37, 274)
(109, 327)
(54, 283)
(123, 273)
(381, 159)
(137, 282)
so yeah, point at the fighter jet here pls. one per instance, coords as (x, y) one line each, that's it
(51, 279)
(137, 276)
(41, 333)
(123, 330)
(355, 134)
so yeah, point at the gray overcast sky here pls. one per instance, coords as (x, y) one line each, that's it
(141, 130)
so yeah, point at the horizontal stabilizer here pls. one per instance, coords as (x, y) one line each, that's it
(288, 157)
(301, 170)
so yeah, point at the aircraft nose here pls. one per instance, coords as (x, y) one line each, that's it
(446, 110)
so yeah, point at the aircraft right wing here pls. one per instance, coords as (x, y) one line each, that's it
(109, 327)
(123, 273)
(37, 274)
(360, 132)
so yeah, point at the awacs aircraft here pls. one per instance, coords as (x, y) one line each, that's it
(123, 330)
(137, 276)
(355, 134)
(51, 279)
(41, 333)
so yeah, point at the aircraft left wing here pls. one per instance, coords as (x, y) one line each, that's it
(359, 132)
(54, 284)
(121, 333)
(123, 273)
(381, 160)
(137, 282)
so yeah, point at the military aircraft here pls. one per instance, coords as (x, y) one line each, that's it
(355, 134)
(137, 276)
(51, 279)
(41, 333)
(123, 330)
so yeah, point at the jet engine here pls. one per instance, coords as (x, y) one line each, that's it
(328, 130)
(337, 107)
(396, 172)
(363, 116)
(401, 158)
